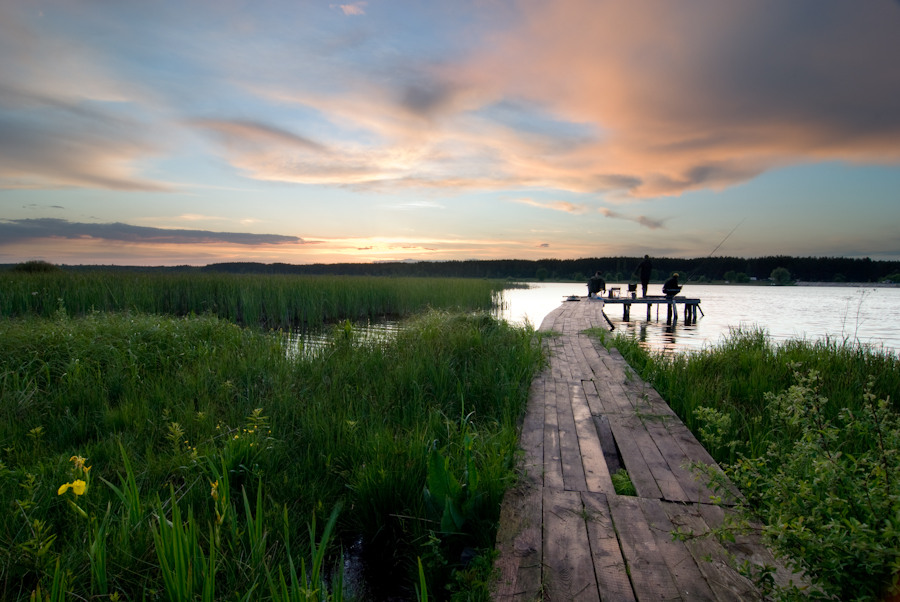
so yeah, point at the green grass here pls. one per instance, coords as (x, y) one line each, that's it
(211, 451)
(810, 432)
(268, 301)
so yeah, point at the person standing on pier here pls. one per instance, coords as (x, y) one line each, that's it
(645, 268)
(671, 286)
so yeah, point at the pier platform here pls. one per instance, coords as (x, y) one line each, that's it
(565, 534)
(689, 305)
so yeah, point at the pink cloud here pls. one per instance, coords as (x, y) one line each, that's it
(705, 94)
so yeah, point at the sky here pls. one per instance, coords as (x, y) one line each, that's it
(197, 132)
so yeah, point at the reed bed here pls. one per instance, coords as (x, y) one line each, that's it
(268, 301)
(153, 457)
(810, 432)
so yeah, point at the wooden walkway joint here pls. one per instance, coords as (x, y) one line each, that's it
(564, 532)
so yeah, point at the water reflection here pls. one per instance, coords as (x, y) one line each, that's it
(311, 344)
(866, 315)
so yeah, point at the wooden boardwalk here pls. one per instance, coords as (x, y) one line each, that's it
(564, 533)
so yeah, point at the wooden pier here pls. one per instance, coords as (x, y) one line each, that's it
(564, 532)
(689, 304)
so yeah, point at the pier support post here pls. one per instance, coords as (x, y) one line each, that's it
(626, 311)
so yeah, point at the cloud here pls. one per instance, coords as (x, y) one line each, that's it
(643, 220)
(564, 206)
(23, 230)
(705, 94)
(64, 121)
(354, 9)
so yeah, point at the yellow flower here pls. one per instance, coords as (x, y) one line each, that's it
(78, 461)
(77, 486)
(214, 491)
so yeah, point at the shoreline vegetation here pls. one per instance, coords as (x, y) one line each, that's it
(809, 431)
(159, 450)
(719, 269)
(146, 456)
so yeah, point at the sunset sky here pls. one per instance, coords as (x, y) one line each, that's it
(189, 132)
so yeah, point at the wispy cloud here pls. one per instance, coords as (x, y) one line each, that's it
(17, 231)
(564, 206)
(354, 9)
(643, 220)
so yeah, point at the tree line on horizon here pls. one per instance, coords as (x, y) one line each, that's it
(613, 269)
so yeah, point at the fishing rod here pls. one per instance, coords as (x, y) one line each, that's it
(722, 242)
(726, 237)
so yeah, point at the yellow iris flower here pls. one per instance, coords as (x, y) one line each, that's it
(77, 486)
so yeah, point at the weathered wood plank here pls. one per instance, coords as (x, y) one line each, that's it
(569, 451)
(609, 565)
(688, 579)
(711, 558)
(596, 471)
(666, 480)
(520, 543)
(568, 567)
(553, 474)
(691, 484)
(750, 547)
(649, 574)
(638, 470)
(531, 439)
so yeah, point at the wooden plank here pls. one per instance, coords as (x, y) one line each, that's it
(519, 539)
(692, 484)
(531, 439)
(649, 574)
(695, 452)
(569, 451)
(634, 440)
(609, 565)
(596, 471)
(520, 543)
(750, 547)
(553, 475)
(568, 567)
(634, 461)
(593, 352)
(688, 579)
(711, 558)
(590, 394)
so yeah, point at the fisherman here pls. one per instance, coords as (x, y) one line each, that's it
(596, 284)
(671, 287)
(645, 268)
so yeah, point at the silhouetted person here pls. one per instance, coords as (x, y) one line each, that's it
(645, 268)
(596, 284)
(671, 287)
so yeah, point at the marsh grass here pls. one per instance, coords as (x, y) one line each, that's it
(268, 301)
(809, 431)
(207, 445)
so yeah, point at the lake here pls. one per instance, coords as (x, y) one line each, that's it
(868, 315)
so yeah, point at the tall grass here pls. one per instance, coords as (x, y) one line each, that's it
(810, 432)
(205, 449)
(269, 301)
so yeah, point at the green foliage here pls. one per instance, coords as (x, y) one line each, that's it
(243, 435)
(780, 276)
(274, 301)
(831, 507)
(622, 483)
(35, 267)
(810, 433)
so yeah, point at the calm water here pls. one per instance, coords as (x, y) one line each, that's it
(868, 315)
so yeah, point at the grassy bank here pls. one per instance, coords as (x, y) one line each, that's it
(810, 432)
(157, 457)
(269, 301)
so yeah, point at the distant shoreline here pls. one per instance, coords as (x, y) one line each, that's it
(852, 284)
